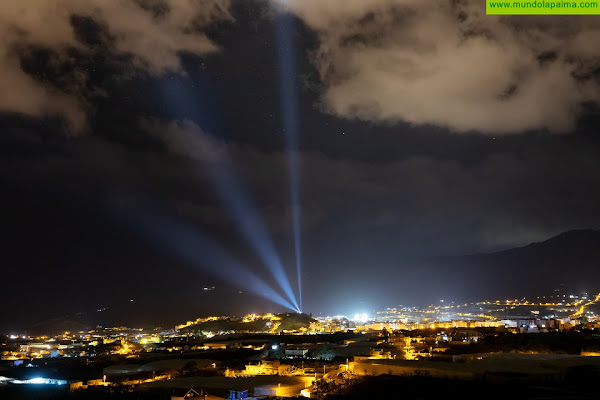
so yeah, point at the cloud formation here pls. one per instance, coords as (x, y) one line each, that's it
(151, 33)
(448, 64)
(264, 170)
(185, 138)
(504, 200)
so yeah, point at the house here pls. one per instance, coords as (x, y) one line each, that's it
(266, 367)
(296, 353)
(467, 336)
(237, 395)
(186, 394)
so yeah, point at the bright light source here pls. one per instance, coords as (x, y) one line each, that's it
(361, 317)
(274, 347)
(37, 381)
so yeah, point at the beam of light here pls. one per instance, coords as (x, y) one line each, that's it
(251, 225)
(230, 191)
(198, 249)
(289, 97)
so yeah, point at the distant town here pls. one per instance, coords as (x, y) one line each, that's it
(296, 354)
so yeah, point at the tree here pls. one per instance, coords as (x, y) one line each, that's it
(189, 369)
(386, 335)
(325, 353)
(277, 354)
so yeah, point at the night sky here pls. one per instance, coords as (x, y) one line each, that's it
(130, 130)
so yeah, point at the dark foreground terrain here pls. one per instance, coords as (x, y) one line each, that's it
(579, 383)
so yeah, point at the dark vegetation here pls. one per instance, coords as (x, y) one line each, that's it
(576, 385)
(551, 342)
(419, 387)
(96, 393)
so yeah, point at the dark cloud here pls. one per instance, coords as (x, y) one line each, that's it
(361, 220)
(502, 199)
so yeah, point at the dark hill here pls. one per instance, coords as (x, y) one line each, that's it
(56, 326)
(570, 260)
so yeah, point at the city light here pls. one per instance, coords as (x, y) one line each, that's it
(39, 381)
(361, 317)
